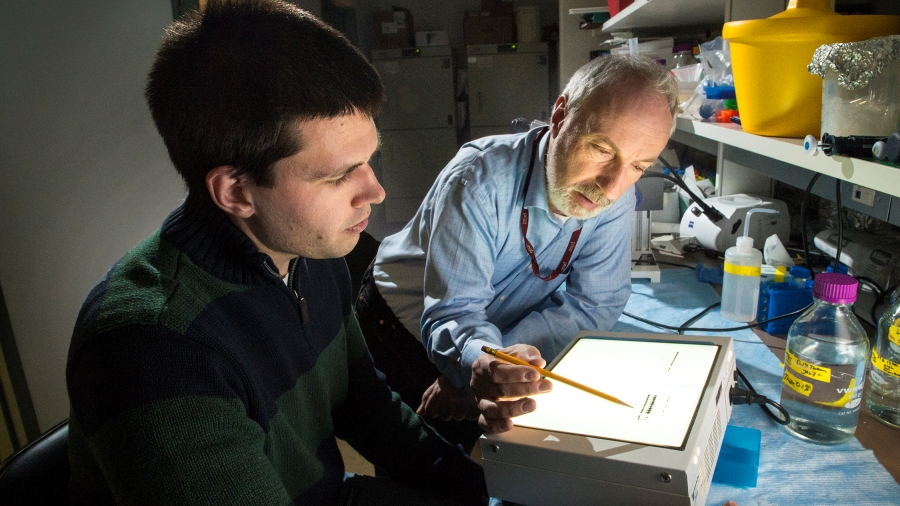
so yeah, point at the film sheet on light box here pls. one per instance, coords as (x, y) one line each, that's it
(663, 381)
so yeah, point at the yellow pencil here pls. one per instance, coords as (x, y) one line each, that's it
(552, 375)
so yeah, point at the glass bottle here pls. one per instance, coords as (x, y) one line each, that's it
(825, 364)
(883, 389)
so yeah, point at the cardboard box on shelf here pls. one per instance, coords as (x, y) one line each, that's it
(497, 7)
(482, 28)
(394, 29)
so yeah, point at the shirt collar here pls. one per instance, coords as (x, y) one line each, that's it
(204, 232)
(537, 188)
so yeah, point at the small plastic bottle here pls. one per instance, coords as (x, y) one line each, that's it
(740, 283)
(883, 388)
(825, 364)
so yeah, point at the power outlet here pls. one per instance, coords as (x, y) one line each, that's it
(864, 195)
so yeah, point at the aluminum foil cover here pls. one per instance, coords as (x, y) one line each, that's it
(856, 63)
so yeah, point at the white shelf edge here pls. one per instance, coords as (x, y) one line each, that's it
(876, 176)
(588, 10)
(667, 13)
(622, 17)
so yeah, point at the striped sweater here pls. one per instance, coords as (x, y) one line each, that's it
(196, 376)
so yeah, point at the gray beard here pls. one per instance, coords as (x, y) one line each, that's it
(563, 200)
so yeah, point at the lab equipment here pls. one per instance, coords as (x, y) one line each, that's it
(888, 149)
(507, 81)
(649, 197)
(860, 83)
(738, 463)
(718, 97)
(825, 364)
(417, 127)
(667, 219)
(663, 454)
(800, 275)
(856, 146)
(778, 96)
(883, 388)
(777, 274)
(657, 49)
(711, 108)
(740, 284)
(528, 23)
(865, 254)
(706, 274)
(552, 375)
(722, 234)
(672, 244)
(780, 298)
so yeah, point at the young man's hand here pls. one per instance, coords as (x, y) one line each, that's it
(445, 402)
(503, 390)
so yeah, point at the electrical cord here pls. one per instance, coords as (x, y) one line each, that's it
(686, 325)
(803, 235)
(676, 265)
(749, 396)
(840, 224)
(879, 295)
(712, 213)
(731, 329)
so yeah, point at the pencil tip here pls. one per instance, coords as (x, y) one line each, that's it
(627, 405)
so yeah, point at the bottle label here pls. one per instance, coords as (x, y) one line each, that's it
(815, 372)
(797, 384)
(894, 333)
(884, 365)
(742, 270)
(838, 386)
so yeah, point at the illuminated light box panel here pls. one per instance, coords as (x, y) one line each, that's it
(579, 449)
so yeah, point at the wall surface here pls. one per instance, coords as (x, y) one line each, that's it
(84, 174)
(575, 45)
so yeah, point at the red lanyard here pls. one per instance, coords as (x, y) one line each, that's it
(528, 247)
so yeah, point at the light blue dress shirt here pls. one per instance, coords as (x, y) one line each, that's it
(458, 275)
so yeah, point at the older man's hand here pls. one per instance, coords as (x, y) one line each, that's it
(503, 390)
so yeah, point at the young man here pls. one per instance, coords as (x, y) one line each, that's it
(218, 361)
(508, 221)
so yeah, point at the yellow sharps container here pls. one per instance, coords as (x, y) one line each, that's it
(776, 94)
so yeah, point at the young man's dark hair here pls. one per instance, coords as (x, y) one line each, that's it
(230, 82)
(219, 361)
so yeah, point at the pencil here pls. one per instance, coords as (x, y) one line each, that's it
(553, 375)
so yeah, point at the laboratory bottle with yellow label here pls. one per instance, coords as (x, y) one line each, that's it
(883, 387)
(740, 281)
(825, 364)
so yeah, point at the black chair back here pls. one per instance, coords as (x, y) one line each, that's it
(38, 473)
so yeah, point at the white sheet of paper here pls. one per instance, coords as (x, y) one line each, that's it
(663, 381)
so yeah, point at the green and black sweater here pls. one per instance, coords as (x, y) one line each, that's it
(195, 378)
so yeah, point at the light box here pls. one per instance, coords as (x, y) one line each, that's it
(579, 449)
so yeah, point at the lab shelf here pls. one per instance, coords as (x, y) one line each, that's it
(881, 177)
(668, 13)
